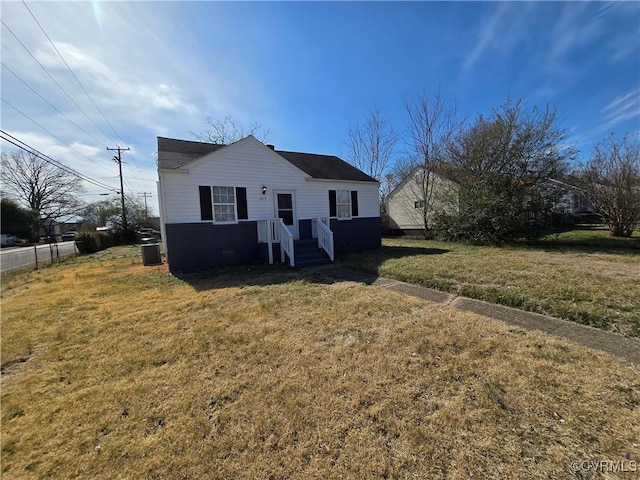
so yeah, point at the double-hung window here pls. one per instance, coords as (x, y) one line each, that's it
(223, 204)
(343, 203)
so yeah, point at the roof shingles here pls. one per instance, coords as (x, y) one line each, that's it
(174, 153)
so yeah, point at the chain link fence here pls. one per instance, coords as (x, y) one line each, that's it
(36, 256)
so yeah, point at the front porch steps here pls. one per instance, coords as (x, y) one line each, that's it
(307, 253)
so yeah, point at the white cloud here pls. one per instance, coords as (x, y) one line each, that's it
(574, 29)
(621, 109)
(77, 59)
(147, 75)
(488, 36)
(625, 102)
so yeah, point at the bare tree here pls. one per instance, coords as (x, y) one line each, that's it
(611, 178)
(44, 188)
(103, 213)
(108, 213)
(432, 123)
(227, 131)
(370, 146)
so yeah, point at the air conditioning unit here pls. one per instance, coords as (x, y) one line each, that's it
(151, 254)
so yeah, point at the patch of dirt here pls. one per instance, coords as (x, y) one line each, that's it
(12, 367)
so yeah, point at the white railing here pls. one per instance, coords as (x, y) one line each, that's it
(267, 233)
(325, 237)
(274, 230)
(314, 225)
(286, 242)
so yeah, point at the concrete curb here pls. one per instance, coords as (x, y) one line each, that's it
(627, 348)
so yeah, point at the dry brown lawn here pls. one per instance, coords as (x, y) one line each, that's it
(114, 370)
(593, 286)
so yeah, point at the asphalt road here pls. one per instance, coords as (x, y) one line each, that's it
(20, 257)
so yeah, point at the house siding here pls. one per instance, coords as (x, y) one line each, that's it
(200, 246)
(251, 165)
(401, 204)
(356, 234)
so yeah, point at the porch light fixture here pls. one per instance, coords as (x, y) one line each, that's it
(264, 189)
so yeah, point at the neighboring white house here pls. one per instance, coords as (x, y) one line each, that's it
(573, 200)
(406, 202)
(223, 204)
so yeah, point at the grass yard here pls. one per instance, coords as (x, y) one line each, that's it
(115, 370)
(582, 276)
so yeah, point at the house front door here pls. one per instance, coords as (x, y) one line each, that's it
(285, 208)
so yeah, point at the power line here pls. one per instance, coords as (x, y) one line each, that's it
(48, 102)
(29, 149)
(46, 130)
(70, 70)
(137, 168)
(55, 81)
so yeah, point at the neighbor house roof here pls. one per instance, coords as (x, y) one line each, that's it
(174, 153)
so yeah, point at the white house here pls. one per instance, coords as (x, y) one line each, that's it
(572, 200)
(244, 202)
(406, 202)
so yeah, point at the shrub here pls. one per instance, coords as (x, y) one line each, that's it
(91, 242)
(87, 242)
(484, 227)
(105, 240)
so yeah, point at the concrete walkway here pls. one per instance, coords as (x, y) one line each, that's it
(627, 348)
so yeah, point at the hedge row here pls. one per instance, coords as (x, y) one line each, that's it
(91, 242)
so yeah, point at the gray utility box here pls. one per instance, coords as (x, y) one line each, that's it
(151, 254)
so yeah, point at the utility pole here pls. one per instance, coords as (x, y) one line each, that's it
(145, 195)
(118, 160)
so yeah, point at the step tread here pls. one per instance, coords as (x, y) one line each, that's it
(306, 241)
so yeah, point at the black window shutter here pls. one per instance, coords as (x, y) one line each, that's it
(206, 208)
(354, 203)
(241, 197)
(333, 204)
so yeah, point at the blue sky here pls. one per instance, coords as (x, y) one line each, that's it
(306, 71)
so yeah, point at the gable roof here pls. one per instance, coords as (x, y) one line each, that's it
(174, 153)
(412, 174)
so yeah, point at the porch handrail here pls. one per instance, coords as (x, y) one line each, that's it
(286, 242)
(267, 233)
(325, 238)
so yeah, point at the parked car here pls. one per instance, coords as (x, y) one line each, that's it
(9, 240)
(148, 232)
(69, 236)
